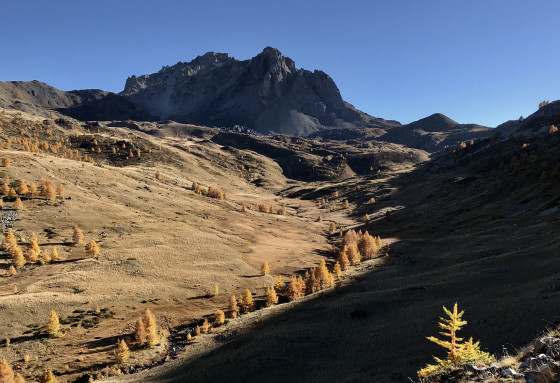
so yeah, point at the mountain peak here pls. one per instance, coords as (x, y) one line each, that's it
(441, 118)
(271, 51)
(266, 93)
(210, 58)
(435, 122)
(271, 60)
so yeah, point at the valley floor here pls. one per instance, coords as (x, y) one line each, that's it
(457, 233)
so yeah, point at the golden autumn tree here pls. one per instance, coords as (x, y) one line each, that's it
(78, 236)
(53, 325)
(33, 244)
(92, 248)
(18, 205)
(311, 282)
(6, 372)
(279, 284)
(54, 254)
(5, 188)
(47, 377)
(451, 325)
(247, 303)
(151, 328)
(44, 258)
(219, 317)
(22, 188)
(349, 237)
(354, 255)
(265, 269)
(122, 353)
(323, 274)
(296, 288)
(343, 258)
(31, 256)
(47, 190)
(233, 307)
(140, 335)
(378, 242)
(332, 228)
(12, 193)
(271, 297)
(366, 219)
(10, 239)
(17, 257)
(32, 190)
(205, 328)
(367, 246)
(457, 352)
(337, 270)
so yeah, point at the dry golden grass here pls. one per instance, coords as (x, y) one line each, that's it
(160, 244)
(463, 231)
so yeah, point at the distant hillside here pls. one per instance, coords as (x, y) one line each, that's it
(32, 96)
(267, 93)
(536, 123)
(91, 104)
(434, 133)
(431, 134)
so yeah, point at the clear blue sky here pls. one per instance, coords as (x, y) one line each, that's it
(482, 61)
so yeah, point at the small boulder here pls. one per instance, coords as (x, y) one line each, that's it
(554, 351)
(475, 369)
(508, 372)
(534, 377)
(541, 344)
(535, 363)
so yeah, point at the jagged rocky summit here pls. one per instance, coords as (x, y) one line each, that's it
(266, 93)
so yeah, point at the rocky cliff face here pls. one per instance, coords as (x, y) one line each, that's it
(267, 93)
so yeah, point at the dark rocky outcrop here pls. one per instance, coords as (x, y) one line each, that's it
(95, 104)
